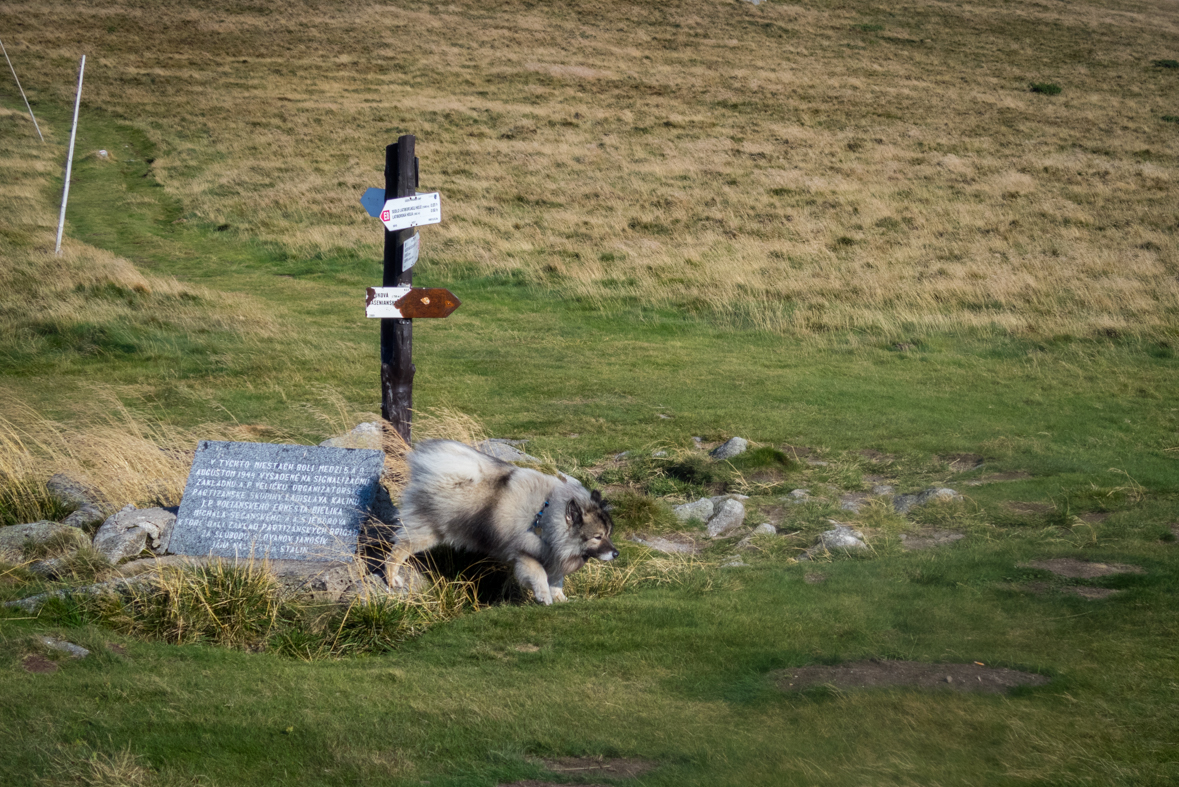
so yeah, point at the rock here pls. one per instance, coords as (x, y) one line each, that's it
(719, 499)
(13, 537)
(367, 435)
(853, 501)
(130, 531)
(50, 568)
(134, 568)
(682, 545)
(702, 510)
(33, 603)
(906, 503)
(843, 537)
(328, 581)
(84, 517)
(730, 448)
(797, 496)
(736, 561)
(76, 651)
(882, 489)
(88, 503)
(71, 492)
(503, 449)
(731, 514)
(658, 454)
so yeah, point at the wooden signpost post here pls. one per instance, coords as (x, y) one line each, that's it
(397, 302)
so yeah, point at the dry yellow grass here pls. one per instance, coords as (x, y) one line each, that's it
(776, 165)
(128, 459)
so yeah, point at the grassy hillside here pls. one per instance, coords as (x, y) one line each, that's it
(807, 169)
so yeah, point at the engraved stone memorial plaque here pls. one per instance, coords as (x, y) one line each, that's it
(282, 502)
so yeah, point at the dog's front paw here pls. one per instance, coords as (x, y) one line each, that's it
(396, 582)
(558, 594)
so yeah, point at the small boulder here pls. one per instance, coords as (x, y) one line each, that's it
(843, 537)
(50, 568)
(730, 515)
(674, 545)
(366, 435)
(906, 503)
(14, 537)
(75, 651)
(797, 496)
(730, 448)
(505, 450)
(702, 510)
(765, 529)
(130, 531)
(719, 499)
(88, 503)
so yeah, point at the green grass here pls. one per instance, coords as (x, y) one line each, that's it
(681, 676)
(1046, 88)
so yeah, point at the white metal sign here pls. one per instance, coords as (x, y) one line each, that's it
(379, 302)
(405, 212)
(410, 255)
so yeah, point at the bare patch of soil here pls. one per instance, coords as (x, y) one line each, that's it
(39, 664)
(874, 673)
(960, 463)
(527, 648)
(800, 452)
(925, 539)
(995, 478)
(1083, 569)
(116, 648)
(1091, 593)
(612, 767)
(876, 457)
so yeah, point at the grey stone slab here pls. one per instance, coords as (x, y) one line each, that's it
(284, 502)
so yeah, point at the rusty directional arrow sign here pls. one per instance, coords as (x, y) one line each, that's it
(408, 303)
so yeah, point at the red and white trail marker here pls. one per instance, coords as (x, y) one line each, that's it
(416, 211)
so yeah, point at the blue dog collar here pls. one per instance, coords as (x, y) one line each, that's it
(536, 522)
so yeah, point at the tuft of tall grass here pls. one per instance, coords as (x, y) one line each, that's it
(124, 456)
(228, 603)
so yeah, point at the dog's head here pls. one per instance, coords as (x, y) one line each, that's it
(592, 524)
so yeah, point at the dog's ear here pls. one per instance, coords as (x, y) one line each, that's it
(573, 516)
(597, 499)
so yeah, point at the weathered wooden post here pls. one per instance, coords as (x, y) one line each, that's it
(396, 302)
(397, 367)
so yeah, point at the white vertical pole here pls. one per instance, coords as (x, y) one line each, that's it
(65, 191)
(21, 89)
